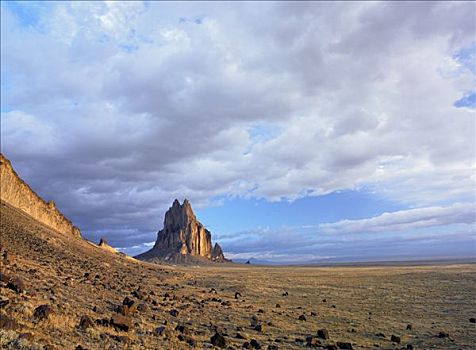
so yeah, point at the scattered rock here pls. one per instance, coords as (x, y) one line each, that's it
(43, 312)
(4, 277)
(254, 321)
(174, 312)
(218, 340)
(395, 339)
(409, 327)
(7, 258)
(331, 347)
(472, 320)
(273, 347)
(260, 328)
(313, 313)
(4, 303)
(323, 333)
(409, 347)
(343, 345)
(239, 336)
(138, 294)
(237, 294)
(105, 322)
(121, 322)
(7, 323)
(121, 339)
(285, 294)
(380, 335)
(161, 331)
(302, 318)
(16, 284)
(26, 336)
(86, 322)
(443, 335)
(278, 305)
(182, 329)
(142, 307)
(312, 341)
(254, 344)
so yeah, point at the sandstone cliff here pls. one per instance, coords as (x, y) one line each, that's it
(183, 238)
(15, 192)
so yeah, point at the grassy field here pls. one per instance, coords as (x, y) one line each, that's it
(427, 307)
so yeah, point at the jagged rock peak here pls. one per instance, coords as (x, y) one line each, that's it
(183, 237)
(179, 215)
(217, 253)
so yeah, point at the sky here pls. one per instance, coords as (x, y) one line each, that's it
(300, 131)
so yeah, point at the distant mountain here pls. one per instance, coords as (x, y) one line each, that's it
(183, 240)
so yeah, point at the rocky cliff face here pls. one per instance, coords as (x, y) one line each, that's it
(15, 192)
(183, 238)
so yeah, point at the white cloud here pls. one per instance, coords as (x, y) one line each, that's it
(406, 220)
(147, 102)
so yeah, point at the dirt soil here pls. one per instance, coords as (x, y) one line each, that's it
(174, 307)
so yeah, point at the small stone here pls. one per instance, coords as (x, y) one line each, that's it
(443, 335)
(239, 336)
(161, 331)
(254, 344)
(182, 329)
(103, 322)
(7, 323)
(285, 294)
(380, 335)
(48, 347)
(323, 333)
(472, 320)
(79, 347)
(246, 345)
(409, 347)
(324, 300)
(313, 313)
(86, 322)
(237, 294)
(302, 318)
(120, 322)
(4, 303)
(26, 336)
(343, 345)
(43, 312)
(122, 339)
(395, 339)
(174, 313)
(278, 305)
(218, 340)
(312, 341)
(260, 328)
(273, 347)
(138, 294)
(142, 307)
(409, 327)
(16, 284)
(254, 321)
(331, 347)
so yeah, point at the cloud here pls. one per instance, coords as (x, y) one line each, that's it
(406, 220)
(114, 109)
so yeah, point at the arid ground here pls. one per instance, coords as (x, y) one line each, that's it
(171, 307)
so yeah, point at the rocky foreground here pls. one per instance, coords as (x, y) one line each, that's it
(62, 292)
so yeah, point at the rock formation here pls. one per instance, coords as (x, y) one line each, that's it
(16, 193)
(183, 239)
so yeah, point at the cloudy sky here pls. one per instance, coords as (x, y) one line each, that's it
(299, 131)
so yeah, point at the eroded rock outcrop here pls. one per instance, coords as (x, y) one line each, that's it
(183, 239)
(15, 192)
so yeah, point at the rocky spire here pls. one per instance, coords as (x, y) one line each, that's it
(182, 235)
